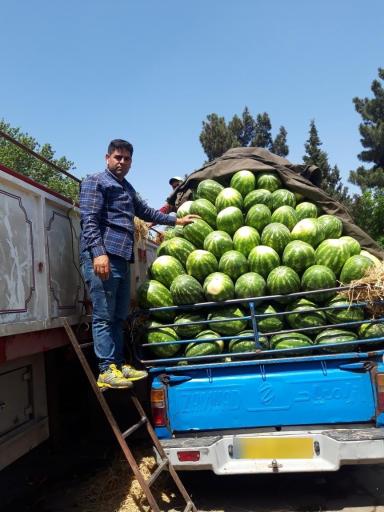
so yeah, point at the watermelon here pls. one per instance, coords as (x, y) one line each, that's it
(298, 255)
(330, 225)
(158, 334)
(375, 260)
(209, 189)
(306, 210)
(343, 311)
(355, 267)
(165, 268)
(334, 336)
(332, 253)
(173, 232)
(245, 239)
(206, 210)
(353, 245)
(371, 330)
(281, 197)
(243, 181)
(308, 230)
(318, 277)
(153, 294)
(184, 209)
(299, 197)
(218, 287)
(196, 232)
(258, 216)
(218, 242)
(250, 284)
(246, 345)
(227, 327)
(229, 197)
(285, 215)
(233, 263)
(183, 330)
(186, 290)
(201, 263)
(305, 314)
(290, 340)
(283, 280)
(270, 323)
(230, 220)
(276, 235)
(205, 348)
(177, 247)
(263, 259)
(268, 180)
(260, 196)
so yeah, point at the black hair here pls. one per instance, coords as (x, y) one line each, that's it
(120, 144)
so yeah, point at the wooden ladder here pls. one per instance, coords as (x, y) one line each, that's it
(121, 436)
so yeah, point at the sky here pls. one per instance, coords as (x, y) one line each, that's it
(79, 73)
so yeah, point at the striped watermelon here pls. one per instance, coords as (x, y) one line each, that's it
(371, 330)
(218, 242)
(248, 344)
(245, 239)
(229, 197)
(332, 253)
(218, 287)
(268, 180)
(184, 209)
(165, 268)
(234, 264)
(258, 217)
(290, 340)
(243, 181)
(183, 330)
(335, 336)
(177, 247)
(196, 232)
(271, 322)
(227, 327)
(201, 263)
(282, 197)
(344, 311)
(298, 255)
(262, 259)
(283, 280)
(331, 226)
(205, 348)
(152, 294)
(230, 220)
(353, 245)
(375, 260)
(318, 277)
(305, 314)
(276, 235)
(186, 289)
(260, 196)
(285, 215)
(176, 231)
(157, 333)
(209, 189)
(308, 230)
(206, 210)
(306, 210)
(250, 285)
(355, 267)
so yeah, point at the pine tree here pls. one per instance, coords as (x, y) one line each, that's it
(280, 146)
(215, 137)
(372, 137)
(263, 136)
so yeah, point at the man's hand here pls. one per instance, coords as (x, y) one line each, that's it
(101, 266)
(187, 219)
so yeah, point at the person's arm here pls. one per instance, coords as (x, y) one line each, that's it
(148, 214)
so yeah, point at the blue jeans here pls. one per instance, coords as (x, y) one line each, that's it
(110, 300)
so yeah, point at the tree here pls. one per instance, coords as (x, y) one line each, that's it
(19, 160)
(372, 137)
(331, 179)
(368, 211)
(217, 136)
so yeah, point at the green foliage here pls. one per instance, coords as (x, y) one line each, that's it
(20, 161)
(368, 211)
(217, 136)
(372, 137)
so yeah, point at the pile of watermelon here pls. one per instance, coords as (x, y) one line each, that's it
(255, 238)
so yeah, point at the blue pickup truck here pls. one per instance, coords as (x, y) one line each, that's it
(270, 410)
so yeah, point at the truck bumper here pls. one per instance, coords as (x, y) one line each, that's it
(277, 452)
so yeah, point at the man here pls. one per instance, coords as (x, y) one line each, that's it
(167, 207)
(108, 205)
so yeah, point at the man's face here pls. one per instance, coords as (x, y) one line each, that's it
(175, 184)
(119, 162)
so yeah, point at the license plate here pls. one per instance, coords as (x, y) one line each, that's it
(273, 448)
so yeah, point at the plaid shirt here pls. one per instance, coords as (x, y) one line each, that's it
(107, 209)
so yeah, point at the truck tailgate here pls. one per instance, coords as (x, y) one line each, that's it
(260, 395)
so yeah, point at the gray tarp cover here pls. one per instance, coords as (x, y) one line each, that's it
(298, 178)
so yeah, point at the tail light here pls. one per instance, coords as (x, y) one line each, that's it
(189, 456)
(159, 414)
(380, 392)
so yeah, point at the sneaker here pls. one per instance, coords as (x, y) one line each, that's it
(132, 374)
(113, 378)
